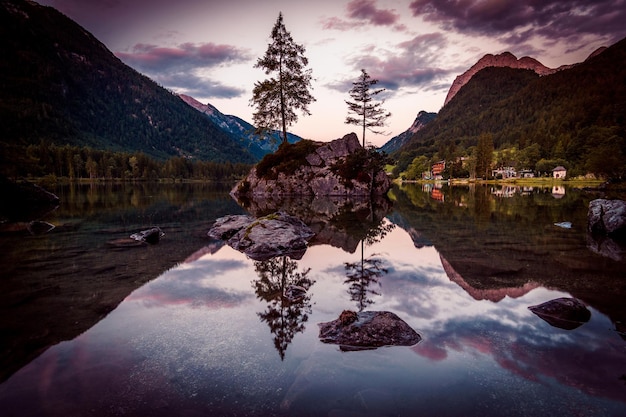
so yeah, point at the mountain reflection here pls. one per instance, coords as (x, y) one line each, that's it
(286, 292)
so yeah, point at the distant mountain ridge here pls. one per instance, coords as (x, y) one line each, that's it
(395, 143)
(60, 85)
(505, 59)
(242, 131)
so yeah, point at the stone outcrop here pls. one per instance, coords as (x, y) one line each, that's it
(318, 175)
(368, 330)
(264, 238)
(564, 313)
(607, 217)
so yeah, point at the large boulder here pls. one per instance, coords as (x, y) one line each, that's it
(607, 217)
(264, 238)
(337, 168)
(24, 201)
(564, 313)
(368, 330)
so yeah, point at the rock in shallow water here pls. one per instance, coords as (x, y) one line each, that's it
(368, 330)
(564, 313)
(266, 237)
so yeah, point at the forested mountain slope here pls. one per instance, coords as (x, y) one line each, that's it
(577, 115)
(60, 85)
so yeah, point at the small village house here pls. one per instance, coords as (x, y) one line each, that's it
(437, 170)
(559, 172)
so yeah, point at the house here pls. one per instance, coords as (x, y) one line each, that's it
(526, 173)
(437, 169)
(559, 172)
(504, 172)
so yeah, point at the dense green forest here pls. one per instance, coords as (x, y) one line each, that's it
(59, 84)
(71, 162)
(575, 118)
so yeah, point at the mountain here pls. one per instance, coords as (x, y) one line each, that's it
(395, 143)
(59, 84)
(575, 115)
(241, 131)
(505, 59)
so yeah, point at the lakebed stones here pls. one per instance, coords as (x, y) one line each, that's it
(564, 313)
(151, 236)
(264, 238)
(368, 330)
(607, 217)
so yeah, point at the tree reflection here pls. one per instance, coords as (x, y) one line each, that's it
(286, 291)
(363, 277)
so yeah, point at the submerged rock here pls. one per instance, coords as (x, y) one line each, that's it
(266, 237)
(607, 217)
(368, 330)
(564, 313)
(151, 236)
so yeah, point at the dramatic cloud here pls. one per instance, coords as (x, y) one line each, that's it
(415, 65)
(186, 55)
(551, 19)
(178, 67)
(360, 11)
(366, 10)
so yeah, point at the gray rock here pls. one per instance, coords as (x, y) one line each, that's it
(266, 237)
(564, 313)
(607, 217)
(368, 330)
(315, 176)
(151, 236)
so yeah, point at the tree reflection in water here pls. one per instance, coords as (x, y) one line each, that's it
(363, 276)
(289, 303)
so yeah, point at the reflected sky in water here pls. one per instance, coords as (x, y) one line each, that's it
(192, 342)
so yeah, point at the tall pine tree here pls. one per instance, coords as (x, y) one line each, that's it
(370, 114)
(277, 98)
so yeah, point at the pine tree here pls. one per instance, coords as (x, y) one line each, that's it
(484, 155)
(277, 98)
(370, 114)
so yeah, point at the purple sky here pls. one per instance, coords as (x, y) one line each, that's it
(207, 48)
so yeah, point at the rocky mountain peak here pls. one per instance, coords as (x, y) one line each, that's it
(505, 59)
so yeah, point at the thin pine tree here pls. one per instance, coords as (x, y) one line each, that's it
(369, 114)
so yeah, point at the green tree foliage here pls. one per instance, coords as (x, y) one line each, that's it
(277, 98)
(75, 162)
(483, 155)
(370, 114)
(419, 165)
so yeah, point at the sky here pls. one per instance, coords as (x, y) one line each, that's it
(414, 48)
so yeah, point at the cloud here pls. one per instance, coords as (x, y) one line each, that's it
(177, 67)
(186, 55)
(360, 11)
(366, 10)
(551, 19)
(415, 63)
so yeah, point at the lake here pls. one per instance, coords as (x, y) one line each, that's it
(189, 326)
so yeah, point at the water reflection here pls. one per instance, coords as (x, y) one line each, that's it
(194, 340)
(363, 277)
(287, 293)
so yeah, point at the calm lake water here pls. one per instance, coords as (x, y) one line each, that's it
(193, 327)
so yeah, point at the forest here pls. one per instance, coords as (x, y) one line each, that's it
(53, 162)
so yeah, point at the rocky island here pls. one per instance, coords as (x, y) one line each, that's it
(308, 168)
